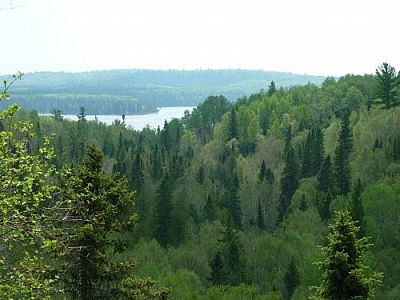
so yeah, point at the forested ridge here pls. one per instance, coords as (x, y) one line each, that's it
(140, 91)
(267, 197)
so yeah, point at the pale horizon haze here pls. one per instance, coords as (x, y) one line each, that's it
(328, 38)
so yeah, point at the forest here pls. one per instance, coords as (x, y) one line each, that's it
(285, 193)
(130, 92)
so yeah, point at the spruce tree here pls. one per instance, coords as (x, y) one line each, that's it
(357, 209)
(291, 279)
(344, 274)
(342, 170)
(92, 213)
(289, 183)
(218, 274)
(260, 217)
(164, 212)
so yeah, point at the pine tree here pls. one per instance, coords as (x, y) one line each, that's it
(163, 212)
(218, 274)
(260, 217)
(209, 210)
(271, 88)
(92, 212)
(387, 81)
(357, 210)
(289, 183)
(291, 279)
(342, 170)
(232, 254)
(344, 274)
(233, 202)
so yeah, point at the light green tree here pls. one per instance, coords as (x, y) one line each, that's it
(25, 189)
(344, 272)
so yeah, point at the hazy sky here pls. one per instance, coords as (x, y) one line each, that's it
(320, 37)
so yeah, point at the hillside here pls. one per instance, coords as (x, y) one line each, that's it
(141, 91)
(235, 199)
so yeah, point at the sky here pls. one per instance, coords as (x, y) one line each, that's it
(319, 37)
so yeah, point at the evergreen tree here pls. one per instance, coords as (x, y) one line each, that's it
(137, 176)
(291, 279)
(217, 275)
(387, 81)
(93, 211)
(289, 183)
(269, 176)
(233, 202)
(271, 88)
(209, 209)
(342, 170)
(344, 274)
(163, 212)
(325, 177)
(357, 209)
(233, 125)
(260, 217)
(232, 254)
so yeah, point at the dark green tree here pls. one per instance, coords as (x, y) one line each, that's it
(164, 212)
(271, 88)
(289, 183)
(386, 90)
(344, 273)
(325, 177)
(291, 279)
(342, 172)
(217, 275)
(232, 254)
(233, 202)
(210, 210)
(357, 209)
(233, 125)
(93, 211)
(260, 217)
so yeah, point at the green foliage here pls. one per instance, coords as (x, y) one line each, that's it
(93, 211)
(25, 189)
(341, 165)
(386, 81)
(345, 274)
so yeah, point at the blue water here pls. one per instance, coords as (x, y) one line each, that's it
(138, 122)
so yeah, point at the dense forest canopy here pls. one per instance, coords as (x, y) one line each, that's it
(266, 197)
(141, 91)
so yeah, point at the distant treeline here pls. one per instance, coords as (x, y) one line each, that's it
(141, 91)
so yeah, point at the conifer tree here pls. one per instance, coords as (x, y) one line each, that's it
(260, 217)
(271, 88)
(342, 170)
(357, 209)
(163, 212)
(209, 209)
(92, 212)
(217, 275)
(232, 254)
(291, 278)
(233, 202)
(289, 183)
(387, 81)
(344, 274)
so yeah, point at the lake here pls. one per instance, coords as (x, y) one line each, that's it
(138, 122)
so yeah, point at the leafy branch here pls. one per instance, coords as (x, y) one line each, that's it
(4, 95)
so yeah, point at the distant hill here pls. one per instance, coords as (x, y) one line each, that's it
(138, 91)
